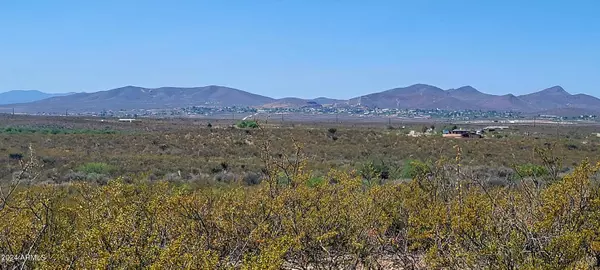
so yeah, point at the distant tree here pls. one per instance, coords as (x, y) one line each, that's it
(15, 156)
(224, 166)
(453, 127)
(331, 133)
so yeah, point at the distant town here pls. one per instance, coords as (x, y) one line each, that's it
(318, 111)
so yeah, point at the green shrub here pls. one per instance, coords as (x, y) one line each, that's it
(531, 170)
(376, 171)
(247, 124)
(315, 181)
(411, 168)
(96, 168)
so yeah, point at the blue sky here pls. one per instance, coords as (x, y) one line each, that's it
(334, 48)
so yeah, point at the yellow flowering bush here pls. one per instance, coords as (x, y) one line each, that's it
(442, 218)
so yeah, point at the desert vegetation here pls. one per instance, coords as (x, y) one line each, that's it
(223, 197)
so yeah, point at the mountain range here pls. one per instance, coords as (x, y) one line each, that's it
(422, 96)
(133, 97)
(24, 96)
(418, 96)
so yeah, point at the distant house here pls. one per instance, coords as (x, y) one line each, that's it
(127, 120)
(460, 133)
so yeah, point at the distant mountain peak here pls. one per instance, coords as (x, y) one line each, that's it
(422, 85)
(468, 94)
(217, 86)
(128, 88)
(555, 90)
(467, 89)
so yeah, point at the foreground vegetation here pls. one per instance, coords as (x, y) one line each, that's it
(445, 217)
(390, 202)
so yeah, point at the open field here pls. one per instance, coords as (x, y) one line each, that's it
(194, 151)
(202, 193)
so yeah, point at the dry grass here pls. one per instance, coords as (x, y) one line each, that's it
(193, 151)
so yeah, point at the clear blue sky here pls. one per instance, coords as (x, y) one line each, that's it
(335, 48)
